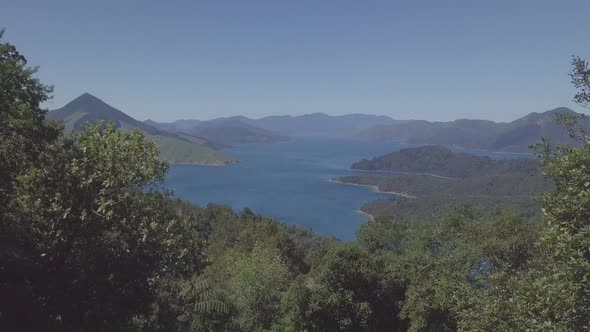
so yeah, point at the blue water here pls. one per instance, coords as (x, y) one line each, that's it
(289, 181)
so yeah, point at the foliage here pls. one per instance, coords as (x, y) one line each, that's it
(23, 132)
(349, 291)
(102, 240)
(581, 79)
(447, 264)
(258, 280)
(554, 292)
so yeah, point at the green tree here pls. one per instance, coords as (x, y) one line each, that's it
(24, 137)
(556, 293)
(445, 265)
(100, 240)
(24, 134)
(258, 281)
(553, 294)
(348, 290)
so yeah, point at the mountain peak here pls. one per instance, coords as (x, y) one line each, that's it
(86, 98)
(88, 108)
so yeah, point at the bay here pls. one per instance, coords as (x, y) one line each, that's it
(289, 182)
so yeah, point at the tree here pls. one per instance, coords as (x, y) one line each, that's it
(23, 131)
(349, 291)
(557, 292)
(24, 137)
(553, 293)
(581, 80)
(98, 232)
(446, 266)
(258, 280)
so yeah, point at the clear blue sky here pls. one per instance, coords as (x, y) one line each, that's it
(434, 60)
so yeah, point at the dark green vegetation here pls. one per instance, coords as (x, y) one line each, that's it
(437, 180)
(515, 136)
(89, 241)
(182, 149)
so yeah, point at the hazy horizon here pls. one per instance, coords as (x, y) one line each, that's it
(438, 62)
(296, 115)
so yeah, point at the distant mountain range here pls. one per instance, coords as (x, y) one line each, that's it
(515, 136)
(320, 124)
(223, 131)
(277, 128)
(176, 148)
(196, 141)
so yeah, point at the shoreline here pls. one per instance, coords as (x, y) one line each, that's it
(369, 216)
(204, 164)
(456, 147)
(399, 172)
(375, 188)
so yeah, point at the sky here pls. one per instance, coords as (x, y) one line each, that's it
(433, 60)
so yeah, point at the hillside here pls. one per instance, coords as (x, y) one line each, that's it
(178, 126)
(515, 136)
(174, 148)
(434, 179)
(443, 162)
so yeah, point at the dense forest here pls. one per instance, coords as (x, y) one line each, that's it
(90, 240)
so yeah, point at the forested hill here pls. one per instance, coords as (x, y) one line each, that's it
(185, 149)
(515, 136)
(441, 161)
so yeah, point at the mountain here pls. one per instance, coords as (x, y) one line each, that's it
(223, 131)
(316, 124)
(178, 126)
(234, 131)
(182, 149)
(529, 130)
(441, 161)
(320, 124)
(515, 136)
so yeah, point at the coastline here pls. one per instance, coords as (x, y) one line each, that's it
(369, 216)
(375, 188)
(456, 147)
(212, 164)
(399, 172)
